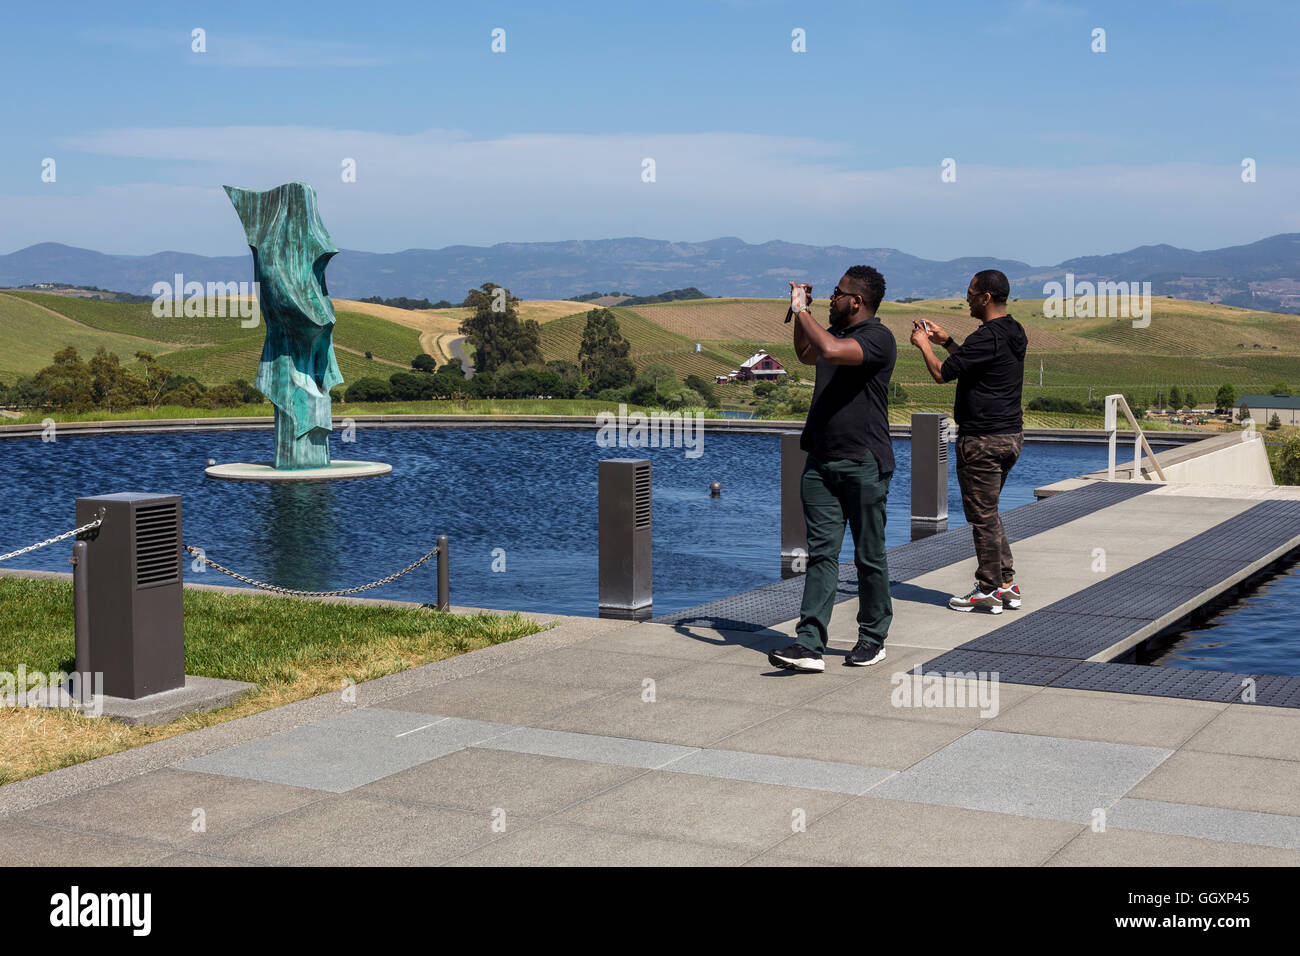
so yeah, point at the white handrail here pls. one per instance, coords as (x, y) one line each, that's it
(1139, 440)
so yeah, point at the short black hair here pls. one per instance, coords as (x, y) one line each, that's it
(993, 282)
(871, 285)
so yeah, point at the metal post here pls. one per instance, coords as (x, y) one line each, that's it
(929, 474)
(81, 618)
(794, 531)
(624, 539)
(1110, 424)
(444, 575)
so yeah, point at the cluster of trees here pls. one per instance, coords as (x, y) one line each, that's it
(657, 386)
(672, 295)
(402, 302)
(426, 381)
(73, 385)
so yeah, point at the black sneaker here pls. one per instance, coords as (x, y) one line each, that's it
(864, 654)
(797, 657)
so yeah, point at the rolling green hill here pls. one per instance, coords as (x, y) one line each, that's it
(32, 335)
(211, 349)
(1193, 345)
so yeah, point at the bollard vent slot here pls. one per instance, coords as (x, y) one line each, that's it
(641, 496)
(157, 544)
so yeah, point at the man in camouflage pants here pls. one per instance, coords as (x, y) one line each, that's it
(990, 370)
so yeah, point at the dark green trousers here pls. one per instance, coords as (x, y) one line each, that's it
(833, 493)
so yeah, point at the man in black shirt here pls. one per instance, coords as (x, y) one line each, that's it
(850, 462)
(990, 371)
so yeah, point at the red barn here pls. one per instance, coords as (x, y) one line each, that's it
(762, 367)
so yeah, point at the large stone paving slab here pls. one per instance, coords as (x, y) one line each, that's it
(1047, 777)
(351, 831)
(690, 722)
(1212, 823)
(783, 771)
(171, 806)
(703, 810)
(1225, 780)
(484, 780)
(345, 752)
(875, 832)
(845, 738)
(553, 844)
(593, 747)
(1118, 847)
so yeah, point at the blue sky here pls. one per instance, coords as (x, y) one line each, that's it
(1060, 151)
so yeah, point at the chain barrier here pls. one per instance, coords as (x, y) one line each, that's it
(55, 540)
(202, 556)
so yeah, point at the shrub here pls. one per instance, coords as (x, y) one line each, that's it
(370, 390)
(223, 396)
(1286, 470)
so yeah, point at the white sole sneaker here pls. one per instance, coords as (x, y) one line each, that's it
(992, 609)
(808, 666)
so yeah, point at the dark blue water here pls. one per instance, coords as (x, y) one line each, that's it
(1256, 634)
(530, 493)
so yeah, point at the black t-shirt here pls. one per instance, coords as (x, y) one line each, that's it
(849, 417)
(990, 371)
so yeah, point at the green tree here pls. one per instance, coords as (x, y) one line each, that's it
(495, 331)
(1226, 398)
(1279, 388)
(572, 380)
(603, 354)
(369, 390)
(1175, 398)
(424, 363)
(223, 396)
(1189, 399)
(67, 382)
(705, 389)
(1286, 471)
(1274, 423)
(155, 378)
(406, 387)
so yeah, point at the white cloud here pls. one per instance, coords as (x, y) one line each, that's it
(443, 187)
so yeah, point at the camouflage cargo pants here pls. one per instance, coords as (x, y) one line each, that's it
(983, 463)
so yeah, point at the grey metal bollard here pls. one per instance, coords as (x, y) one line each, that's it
(929, 474)
(623, 538)
(133, 608)
(794, 531)
(444, 575)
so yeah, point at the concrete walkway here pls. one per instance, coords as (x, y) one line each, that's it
(602, 742)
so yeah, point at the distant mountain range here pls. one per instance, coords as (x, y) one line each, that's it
(1261, 275)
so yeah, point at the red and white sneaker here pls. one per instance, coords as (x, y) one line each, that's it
(1009, 594)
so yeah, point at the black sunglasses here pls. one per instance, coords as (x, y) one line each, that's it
(839, 292)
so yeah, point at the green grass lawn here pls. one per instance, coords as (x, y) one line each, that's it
(291, 649)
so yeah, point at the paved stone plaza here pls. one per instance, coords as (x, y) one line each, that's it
(604, 742)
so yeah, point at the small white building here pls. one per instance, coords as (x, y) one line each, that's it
(1263, 407)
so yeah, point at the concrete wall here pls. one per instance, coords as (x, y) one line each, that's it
(1234, 463)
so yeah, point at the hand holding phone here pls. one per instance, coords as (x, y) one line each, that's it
(800, 298)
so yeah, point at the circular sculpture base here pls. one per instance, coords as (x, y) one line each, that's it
(264, 471)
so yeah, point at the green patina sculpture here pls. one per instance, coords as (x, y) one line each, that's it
(297, 370)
